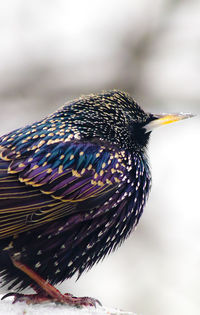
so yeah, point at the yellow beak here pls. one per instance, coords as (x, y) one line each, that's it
(164, 119)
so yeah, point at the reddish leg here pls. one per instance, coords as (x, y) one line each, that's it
(48, 293)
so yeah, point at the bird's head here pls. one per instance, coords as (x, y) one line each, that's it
(114, 117)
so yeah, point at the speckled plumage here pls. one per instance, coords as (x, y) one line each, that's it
(72, 186)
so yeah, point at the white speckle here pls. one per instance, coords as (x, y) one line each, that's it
(16, 254)
(123, 230)
(39, 252)
(77, 136)
(55, 256)
(57, 271)
(55, 263)
(37, 265)
(123, 197)
(100, 233)
(108, 239)
(63, 246)
(70, 263)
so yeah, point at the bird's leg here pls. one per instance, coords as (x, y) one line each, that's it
(46, 292)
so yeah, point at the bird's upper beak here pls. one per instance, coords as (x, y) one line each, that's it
(164, 119)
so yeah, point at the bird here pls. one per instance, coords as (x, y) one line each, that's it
(73, 187)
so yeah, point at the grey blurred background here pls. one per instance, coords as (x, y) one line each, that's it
(52, 51)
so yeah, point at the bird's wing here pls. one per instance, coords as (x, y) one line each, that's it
(70, 171)
(43, 184)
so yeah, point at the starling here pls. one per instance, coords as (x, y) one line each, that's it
(72, 188)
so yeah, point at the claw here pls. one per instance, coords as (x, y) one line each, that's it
(83, 301)
(8, 294)
(28, 298)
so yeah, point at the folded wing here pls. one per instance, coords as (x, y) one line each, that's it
(39, 184)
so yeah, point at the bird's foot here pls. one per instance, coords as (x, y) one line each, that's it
(40, 298)
(45, 292)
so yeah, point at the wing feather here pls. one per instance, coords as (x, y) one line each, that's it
(39, 185)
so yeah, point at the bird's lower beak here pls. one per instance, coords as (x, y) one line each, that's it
(164, 119)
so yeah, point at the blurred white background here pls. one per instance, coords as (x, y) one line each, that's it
(52, 51)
